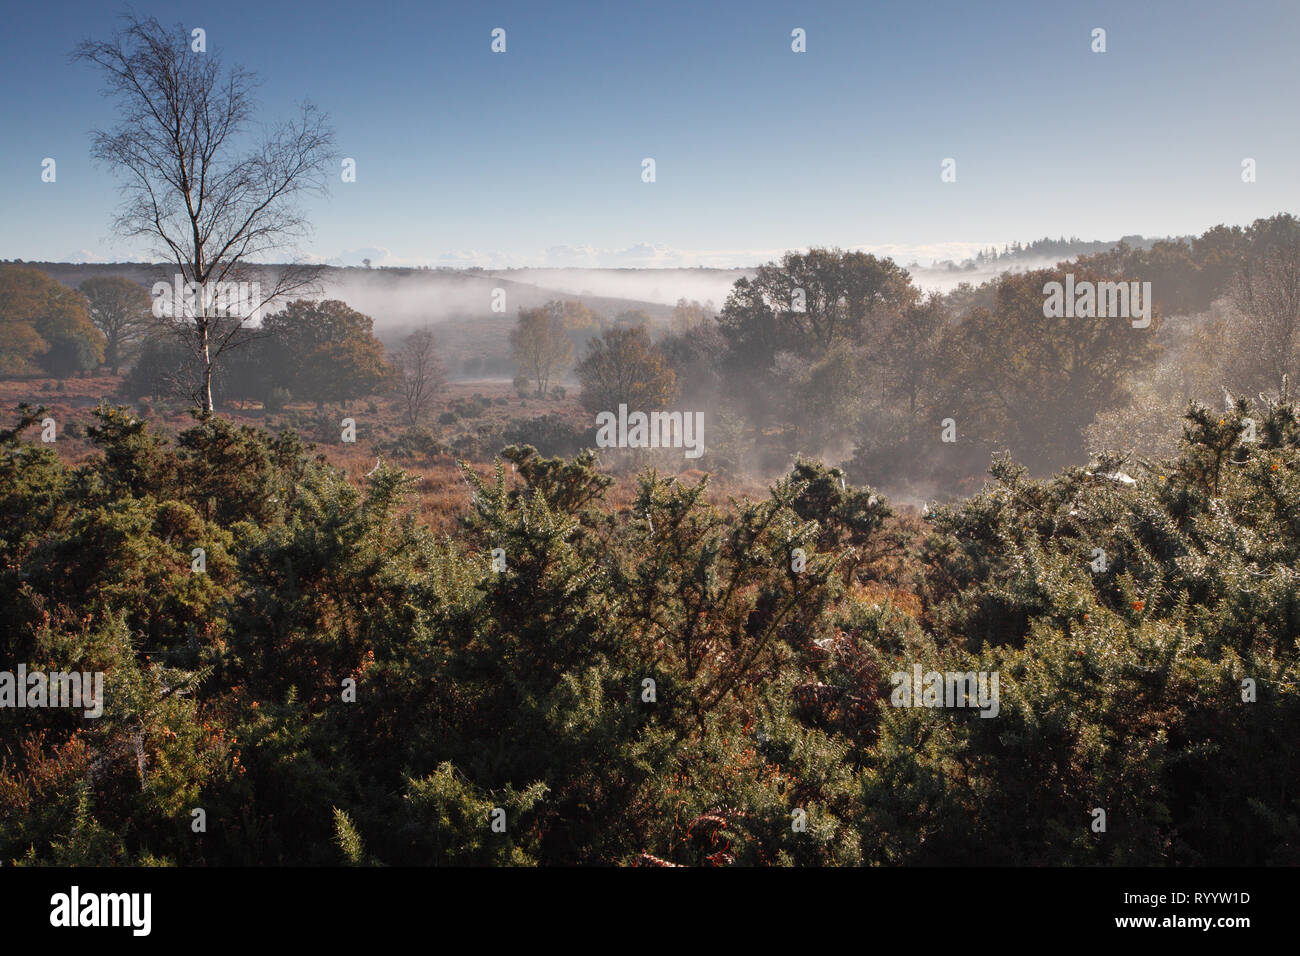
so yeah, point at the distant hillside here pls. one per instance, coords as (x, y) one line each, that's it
(404, 297)
(1055, 250)
(474, 338)
(947, 275)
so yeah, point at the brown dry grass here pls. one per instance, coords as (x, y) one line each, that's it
(443, 494)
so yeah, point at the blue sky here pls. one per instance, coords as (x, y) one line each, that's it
(533, 157)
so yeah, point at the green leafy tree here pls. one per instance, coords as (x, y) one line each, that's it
(45, 325)
(121, 310)
(811, 300)
(324, 352)
(1032, 383)
(623, 367)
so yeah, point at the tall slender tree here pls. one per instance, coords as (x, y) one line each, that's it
(421, 374)
(209, 201)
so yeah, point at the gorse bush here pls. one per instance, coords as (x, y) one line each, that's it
(551, 434)
(663, 682)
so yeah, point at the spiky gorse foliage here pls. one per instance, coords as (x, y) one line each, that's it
(1122, 688)
(656, 683)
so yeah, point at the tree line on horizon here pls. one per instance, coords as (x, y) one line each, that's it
(863, 372)
(838, 355)
(869, 370)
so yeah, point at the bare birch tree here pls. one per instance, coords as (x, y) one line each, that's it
(1266, 294)
(422, 374)
(208, 197)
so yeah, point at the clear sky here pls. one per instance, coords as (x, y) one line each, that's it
(533, 157)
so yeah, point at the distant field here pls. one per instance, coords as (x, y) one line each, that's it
(444, 494)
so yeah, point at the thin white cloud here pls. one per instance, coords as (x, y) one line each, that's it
(644, 255)
(82, 256)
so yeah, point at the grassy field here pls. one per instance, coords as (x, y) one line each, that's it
(466, 423)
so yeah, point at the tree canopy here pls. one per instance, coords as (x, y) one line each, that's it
(44, 325)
